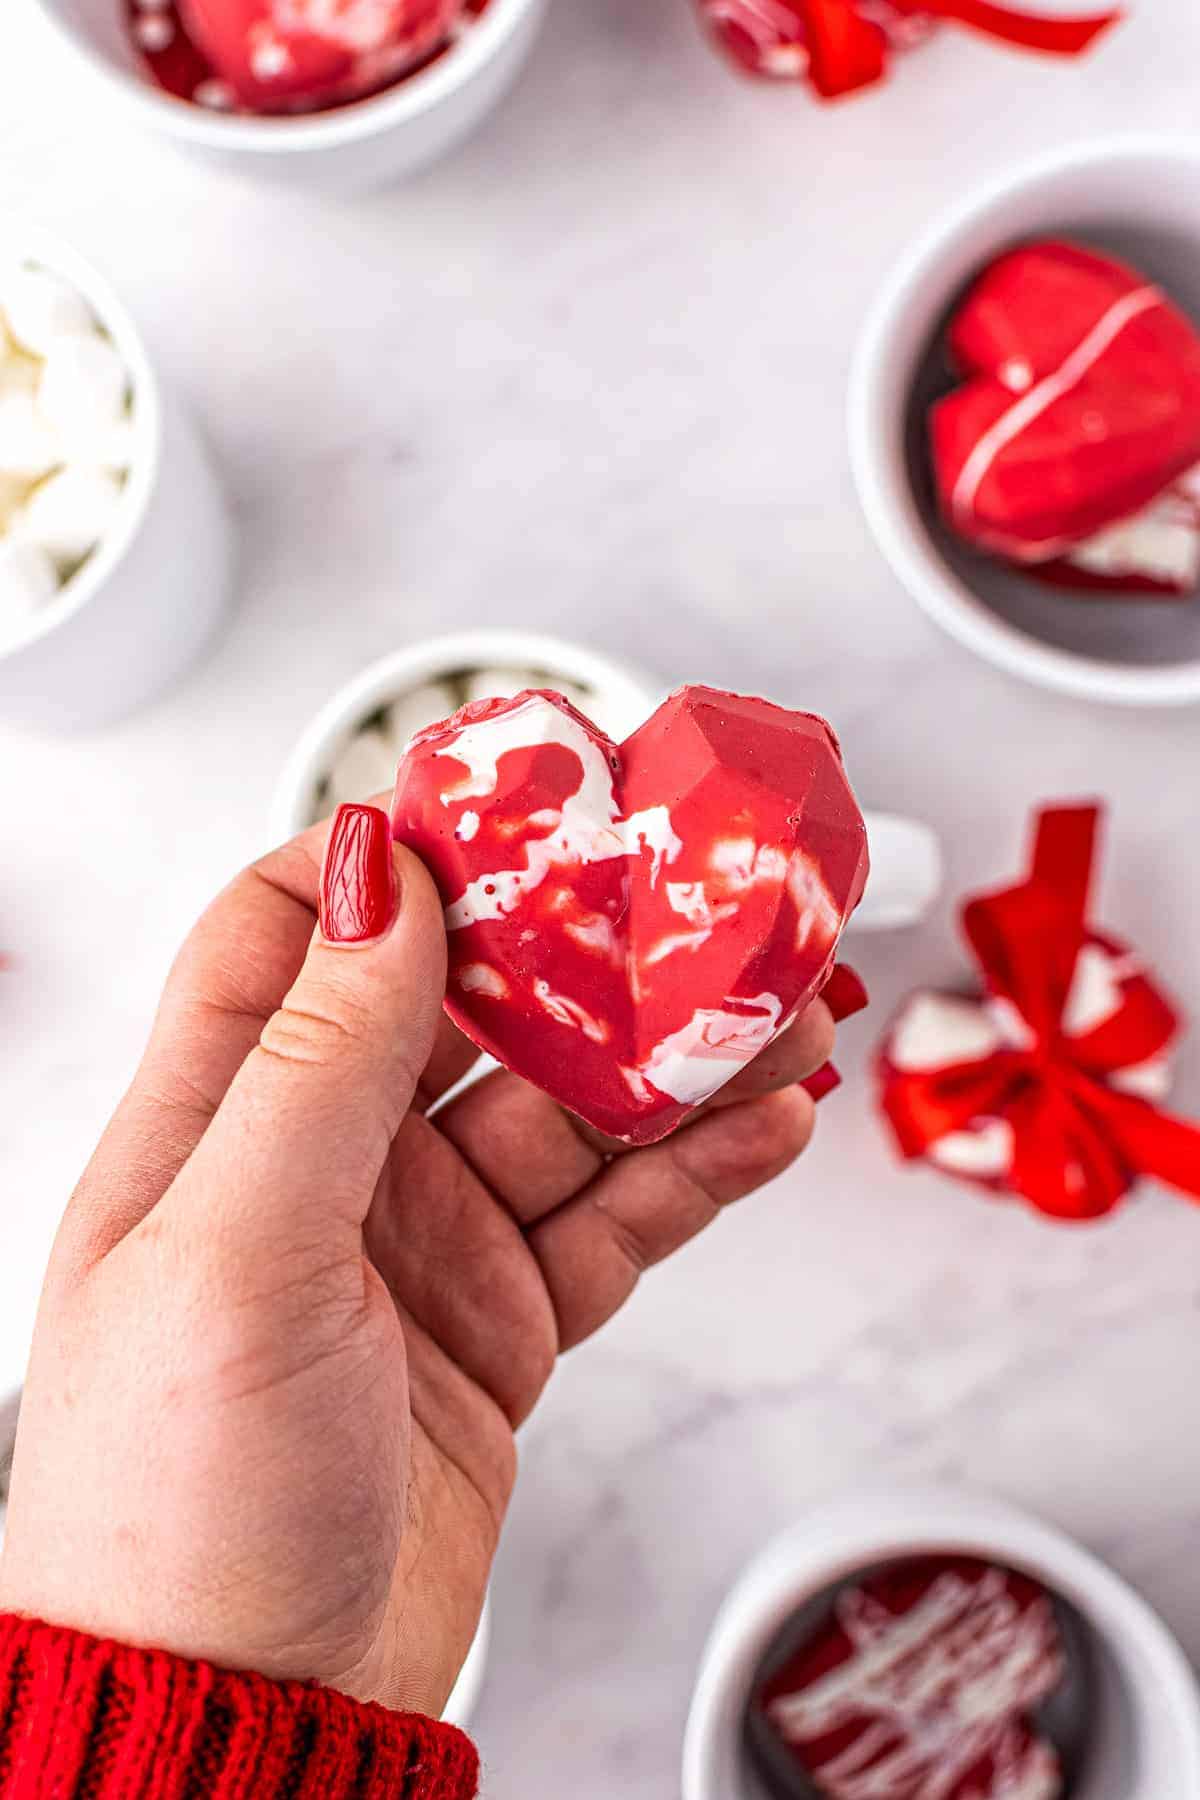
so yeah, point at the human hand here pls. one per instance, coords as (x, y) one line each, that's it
(292, 1321)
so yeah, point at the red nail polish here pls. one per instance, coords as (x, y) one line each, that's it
(358, 879)
(845, 993)
(823, 1082)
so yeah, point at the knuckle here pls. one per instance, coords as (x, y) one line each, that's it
(315, 1031)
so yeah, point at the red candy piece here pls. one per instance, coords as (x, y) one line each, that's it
(629, 926)
(839, 46)
(922, 1685)
(285, 55)
(1080, 410)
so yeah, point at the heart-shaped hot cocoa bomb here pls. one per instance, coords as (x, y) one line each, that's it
(630, 925)
(283, 55)
(1080, 410)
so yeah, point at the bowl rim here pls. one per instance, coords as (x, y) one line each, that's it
(391, 675)
(407, 99)
(23, 243)
(839, 1533)
(886, 498)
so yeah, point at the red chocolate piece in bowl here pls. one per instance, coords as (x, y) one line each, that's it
(929, 1679)
(287, 56)
(1072, 445)
(629, 926)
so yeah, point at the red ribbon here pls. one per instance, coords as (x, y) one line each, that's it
(1079, 1143)
(848, 51)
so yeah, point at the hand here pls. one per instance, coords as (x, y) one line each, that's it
(292, 1321)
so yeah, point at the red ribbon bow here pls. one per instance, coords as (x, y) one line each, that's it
(843, 47)
(1079, 1142)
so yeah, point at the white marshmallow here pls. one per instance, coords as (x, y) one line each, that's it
(582, 699)
(29, 447)
(412, 712)
(28, 580)
(68, 514)
(82, 392)
(14, 492)
(365, 767)
(115, 449)
(19, 373)
(41, 308)
(498, 684)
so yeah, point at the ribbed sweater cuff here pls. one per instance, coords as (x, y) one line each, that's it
(82, 1719)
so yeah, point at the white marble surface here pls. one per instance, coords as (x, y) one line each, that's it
(588, 375)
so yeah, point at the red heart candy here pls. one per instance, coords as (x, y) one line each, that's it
(924, 1681)
(1081, 404)
(629, 926)
(281, 55)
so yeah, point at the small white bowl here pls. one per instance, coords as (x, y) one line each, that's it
(622, 700)
(153, 592)
(342, 150)
(906, 861)
(1139, 197)
(1147, 1716)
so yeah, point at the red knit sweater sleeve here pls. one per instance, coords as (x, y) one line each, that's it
(81, 1719)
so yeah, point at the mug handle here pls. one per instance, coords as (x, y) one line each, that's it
(906, 873)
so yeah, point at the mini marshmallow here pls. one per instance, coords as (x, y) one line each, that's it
(83, 390)
(412, 712)
(41, 308)
(18, 373)
(68, 514)
(114, 450)
(28, 446)
(14, 492)
(365, 767)
(28, 580)
(499, 684)
(582, 699)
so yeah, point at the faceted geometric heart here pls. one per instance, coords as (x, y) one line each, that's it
(1081, 410)
(629, 926)
(281, 55)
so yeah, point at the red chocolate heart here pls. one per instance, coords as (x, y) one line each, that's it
(629, 926)
(923, 1683)
(1081, 404)
(283, 55)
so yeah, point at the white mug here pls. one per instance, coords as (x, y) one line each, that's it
(1136, 196)
(344, 149)
(152, 594)
(906, 863)
(1146, 1738)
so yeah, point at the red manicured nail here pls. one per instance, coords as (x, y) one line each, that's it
(845, 993)
(822, 1082)
(358, 880)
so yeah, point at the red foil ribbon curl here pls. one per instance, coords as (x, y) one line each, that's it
(839, 46)
(1079, 1139)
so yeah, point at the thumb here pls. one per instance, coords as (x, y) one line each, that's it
(300, 1140)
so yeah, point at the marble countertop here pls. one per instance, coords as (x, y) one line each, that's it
(588, 375)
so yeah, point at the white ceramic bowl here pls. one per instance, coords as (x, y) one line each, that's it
(1147, 1715)
(345, 149)
(1139, 197)
(906, 863)
(623, 699)
(151, 595)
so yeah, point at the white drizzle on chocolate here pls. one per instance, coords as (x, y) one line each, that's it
(938, 1690)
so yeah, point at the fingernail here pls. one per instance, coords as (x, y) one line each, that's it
(358, 879)
(845, 993)
(822, 1082)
